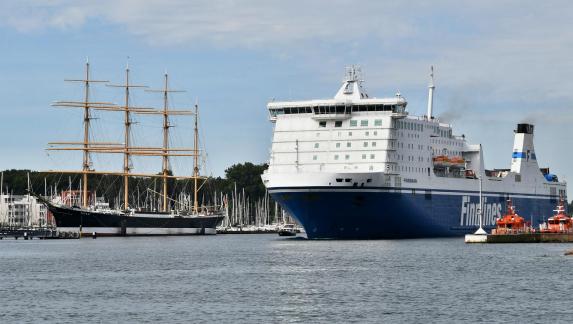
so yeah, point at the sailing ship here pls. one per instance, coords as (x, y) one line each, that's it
(124, 220)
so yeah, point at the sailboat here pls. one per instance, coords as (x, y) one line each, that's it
(125, 221)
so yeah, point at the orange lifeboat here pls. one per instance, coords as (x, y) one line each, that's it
(558, 223)
(511, 222)
(441, 160)
(457, 162)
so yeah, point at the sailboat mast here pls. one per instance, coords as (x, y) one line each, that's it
(86, 160)
(196, 160)
(127, 120)
(165, 144)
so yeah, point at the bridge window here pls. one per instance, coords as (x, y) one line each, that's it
(322, 124)
(364, 123)
(338, 123)
(353, 123)
(378, 122)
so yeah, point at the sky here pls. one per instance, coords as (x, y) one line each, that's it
(497, 63)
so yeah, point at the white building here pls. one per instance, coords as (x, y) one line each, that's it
(22, 211)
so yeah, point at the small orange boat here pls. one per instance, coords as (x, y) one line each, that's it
(511, 223)
(558, 223)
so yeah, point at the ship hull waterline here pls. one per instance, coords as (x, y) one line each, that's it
(109, 224)
(327, 213)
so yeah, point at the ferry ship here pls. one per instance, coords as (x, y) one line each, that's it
(360, 167)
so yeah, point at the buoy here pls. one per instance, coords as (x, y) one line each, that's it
(94, 235)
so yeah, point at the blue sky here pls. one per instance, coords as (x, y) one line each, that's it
(497, 63)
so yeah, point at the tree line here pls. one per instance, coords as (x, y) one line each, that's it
(245, 176)
(242, 176)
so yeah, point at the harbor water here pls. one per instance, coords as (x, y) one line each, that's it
(264, 279)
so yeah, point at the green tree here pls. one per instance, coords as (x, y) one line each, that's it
(248, 176)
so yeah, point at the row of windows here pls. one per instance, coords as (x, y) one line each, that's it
(339, 109)
(409, 126)
(348, 144)
(366, 133)
(353, 123)
(400, 124)
(447, 142)
(445, 151)
(346, 157)
(400, 157)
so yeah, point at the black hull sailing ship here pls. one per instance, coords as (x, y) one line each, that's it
(126, 221)
(122, 224)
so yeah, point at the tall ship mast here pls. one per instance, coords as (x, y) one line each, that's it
(359, 167)
(123, 220)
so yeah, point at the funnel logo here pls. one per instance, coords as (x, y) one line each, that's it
(527, 155)
(469, 214)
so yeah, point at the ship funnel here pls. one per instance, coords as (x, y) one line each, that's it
(523, 156)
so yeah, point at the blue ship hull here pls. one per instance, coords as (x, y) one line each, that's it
(382, 214)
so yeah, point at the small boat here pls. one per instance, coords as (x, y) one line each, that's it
(287, 230)
(511, 223)
(558, 223)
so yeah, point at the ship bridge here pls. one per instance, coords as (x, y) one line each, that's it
(351, 97)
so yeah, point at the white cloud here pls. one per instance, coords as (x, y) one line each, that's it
(498, 49)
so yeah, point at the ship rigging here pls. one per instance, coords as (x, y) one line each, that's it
(209, 218)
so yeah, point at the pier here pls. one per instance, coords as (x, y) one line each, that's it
(41, 233)
(522, 238)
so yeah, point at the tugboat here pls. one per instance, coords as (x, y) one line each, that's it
(558, 223)
(511, 223)
(512, 228)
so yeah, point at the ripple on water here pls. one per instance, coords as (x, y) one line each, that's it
(263, 278)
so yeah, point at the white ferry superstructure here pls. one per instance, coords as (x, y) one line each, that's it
(361, 167)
